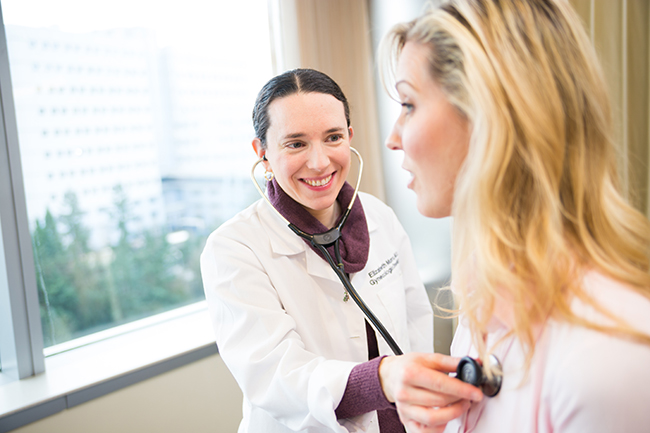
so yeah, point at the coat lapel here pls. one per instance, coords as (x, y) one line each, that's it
(284, 242)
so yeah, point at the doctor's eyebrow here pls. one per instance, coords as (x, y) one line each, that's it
(302, 134)
(294, 135)
(335, 129)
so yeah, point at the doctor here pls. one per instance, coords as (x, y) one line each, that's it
(302, 353)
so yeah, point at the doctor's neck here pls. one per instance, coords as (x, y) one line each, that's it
(328, 216)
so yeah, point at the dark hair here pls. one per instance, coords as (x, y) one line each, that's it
(289, 83)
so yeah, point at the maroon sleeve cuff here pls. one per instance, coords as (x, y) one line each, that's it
(363, 391)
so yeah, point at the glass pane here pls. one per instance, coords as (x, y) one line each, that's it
(134, 128)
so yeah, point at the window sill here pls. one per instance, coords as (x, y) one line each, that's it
(77, 375)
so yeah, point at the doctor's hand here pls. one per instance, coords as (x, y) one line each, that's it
(425, 396)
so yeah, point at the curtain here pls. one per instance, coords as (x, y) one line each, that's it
(333, 36)
(620, 33)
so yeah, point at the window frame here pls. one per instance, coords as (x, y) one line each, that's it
(21, 340)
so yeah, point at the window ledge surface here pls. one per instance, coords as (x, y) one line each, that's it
(145, 349)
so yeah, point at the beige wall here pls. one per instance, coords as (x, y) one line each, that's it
(199, 397)
(620, 31)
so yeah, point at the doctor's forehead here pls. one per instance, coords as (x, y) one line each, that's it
(306, 114)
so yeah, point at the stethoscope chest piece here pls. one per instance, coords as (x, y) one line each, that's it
(470, 371)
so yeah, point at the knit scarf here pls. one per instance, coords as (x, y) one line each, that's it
(355, 240)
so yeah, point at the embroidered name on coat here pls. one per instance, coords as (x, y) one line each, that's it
(386, 268)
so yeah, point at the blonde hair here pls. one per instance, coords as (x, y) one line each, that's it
(537, 201)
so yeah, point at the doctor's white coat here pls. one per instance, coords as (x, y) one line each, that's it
(282, 325)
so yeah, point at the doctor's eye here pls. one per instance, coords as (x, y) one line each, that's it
(295, 145)
(335, 137)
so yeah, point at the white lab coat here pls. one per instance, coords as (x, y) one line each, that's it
(283, 328)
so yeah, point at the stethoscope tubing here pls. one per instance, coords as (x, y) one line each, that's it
(468, 369)
(357, 299)
(322, 240)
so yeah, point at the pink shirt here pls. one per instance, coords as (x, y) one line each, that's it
(579, 380)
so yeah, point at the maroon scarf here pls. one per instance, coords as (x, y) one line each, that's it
(355, 240)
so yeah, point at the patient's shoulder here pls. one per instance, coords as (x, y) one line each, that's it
(595, 381)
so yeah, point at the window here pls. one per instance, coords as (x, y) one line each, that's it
(126, 124)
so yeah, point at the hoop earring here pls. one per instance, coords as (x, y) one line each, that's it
(268, 175)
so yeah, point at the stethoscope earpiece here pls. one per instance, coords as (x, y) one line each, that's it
(470, 371)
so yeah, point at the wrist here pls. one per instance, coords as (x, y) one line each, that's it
(384, 375)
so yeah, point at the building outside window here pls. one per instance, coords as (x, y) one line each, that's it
(134, 137)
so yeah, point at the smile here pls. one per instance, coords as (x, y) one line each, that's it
(320, 182)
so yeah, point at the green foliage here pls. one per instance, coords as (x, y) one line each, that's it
(83, 290)
(57, 295)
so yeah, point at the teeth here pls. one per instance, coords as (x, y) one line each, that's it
(319, 182)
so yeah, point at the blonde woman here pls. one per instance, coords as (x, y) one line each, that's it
(506, 127)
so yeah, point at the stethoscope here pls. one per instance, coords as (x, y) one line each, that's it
(321, 241)
(470, 372)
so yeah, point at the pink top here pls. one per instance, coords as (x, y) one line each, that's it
(579, 380)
